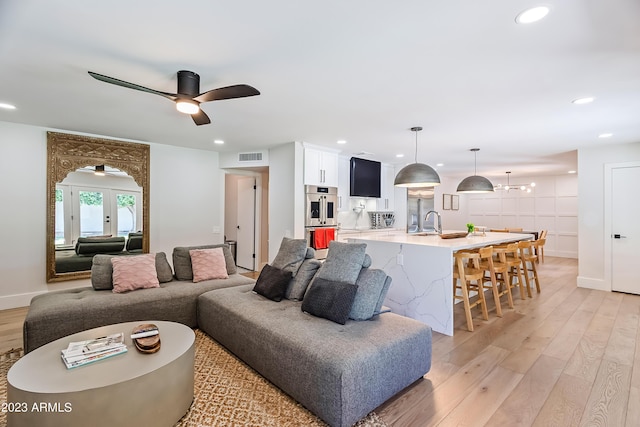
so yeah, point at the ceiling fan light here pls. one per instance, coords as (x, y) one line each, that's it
(475, 184)
(187, 106)
(417, 175)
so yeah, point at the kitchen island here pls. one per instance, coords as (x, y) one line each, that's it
(421, 267)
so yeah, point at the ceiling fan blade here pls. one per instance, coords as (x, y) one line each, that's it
(200, 118)
(229, 92)
(128, 85)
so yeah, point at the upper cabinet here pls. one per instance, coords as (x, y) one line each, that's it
(320, 167)
(344, 183)
(387, 189)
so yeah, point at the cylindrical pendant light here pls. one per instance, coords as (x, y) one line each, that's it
(475, 183)
(417, 174)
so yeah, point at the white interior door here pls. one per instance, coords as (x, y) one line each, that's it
(91, 212)
(246, 243)
(625, 229)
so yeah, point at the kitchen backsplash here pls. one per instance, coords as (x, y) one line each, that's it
(357, 217)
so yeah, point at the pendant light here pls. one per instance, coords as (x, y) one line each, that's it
(475, 183)
(417, 174)
(509, 186)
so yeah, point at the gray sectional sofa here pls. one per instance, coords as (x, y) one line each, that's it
(57, 314)
(340, 372)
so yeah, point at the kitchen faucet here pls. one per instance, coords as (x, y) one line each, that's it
(426, 218)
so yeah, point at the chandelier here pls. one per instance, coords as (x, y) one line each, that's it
(509, 186)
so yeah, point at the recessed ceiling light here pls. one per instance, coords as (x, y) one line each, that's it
(532, 15)
(605, 135)
(399, 155)
(440, 164)
(571, 172)
(585, 100)
(218, 141)
(7, 106)
(341, 141)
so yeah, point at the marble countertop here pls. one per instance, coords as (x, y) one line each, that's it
(468, 242)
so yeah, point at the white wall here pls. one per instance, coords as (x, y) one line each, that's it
(591, 226)
(451, 219)
(286, 195)
(187, 198)
(186, 203)
(552, 206)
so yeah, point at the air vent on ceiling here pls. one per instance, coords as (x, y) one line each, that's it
(249, 157)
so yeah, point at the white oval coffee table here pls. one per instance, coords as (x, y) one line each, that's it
(131, 389)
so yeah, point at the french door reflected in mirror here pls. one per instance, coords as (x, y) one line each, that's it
(88, 212)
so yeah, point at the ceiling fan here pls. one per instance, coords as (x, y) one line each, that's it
(188, 98)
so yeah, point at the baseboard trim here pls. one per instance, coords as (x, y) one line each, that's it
(590, 283)
(561, 254)
(17, 301)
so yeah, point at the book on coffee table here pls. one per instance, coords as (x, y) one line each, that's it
(85, 352)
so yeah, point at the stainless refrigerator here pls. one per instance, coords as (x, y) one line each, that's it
(419, 202)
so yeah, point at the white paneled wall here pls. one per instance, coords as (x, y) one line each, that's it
(552, 205)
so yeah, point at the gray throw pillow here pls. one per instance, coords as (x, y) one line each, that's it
(310, 253)
(330, 300)
(272, 283)
(298, 285)
(182, 260)
(344, 262)
(367, 261)
(371, 284)
(379, 306)
(102, 270)
(163, 268)
(291, 254)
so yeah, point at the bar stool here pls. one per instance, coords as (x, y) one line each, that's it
(528, 258)
(497, 271)
(514, 264)
(539, 245)
(467, 270)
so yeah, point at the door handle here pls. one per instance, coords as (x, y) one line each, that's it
(618, 236)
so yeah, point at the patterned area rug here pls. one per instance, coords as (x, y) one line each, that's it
(227, 393)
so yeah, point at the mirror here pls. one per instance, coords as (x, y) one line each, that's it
(68, 153)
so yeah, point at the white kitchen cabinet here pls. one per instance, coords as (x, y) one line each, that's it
(344, 183)
(387, 189)
(320, 167)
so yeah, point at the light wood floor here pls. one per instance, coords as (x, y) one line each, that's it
(566, 357)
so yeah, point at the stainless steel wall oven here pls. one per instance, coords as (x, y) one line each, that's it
(321, 217)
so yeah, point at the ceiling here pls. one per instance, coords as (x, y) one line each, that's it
(360, 71)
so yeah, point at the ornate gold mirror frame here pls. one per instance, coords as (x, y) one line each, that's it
(67, 153)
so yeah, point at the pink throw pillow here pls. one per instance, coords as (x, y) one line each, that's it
(134, 272)
(208, 264)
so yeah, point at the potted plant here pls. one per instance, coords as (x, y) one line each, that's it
(470, 227)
